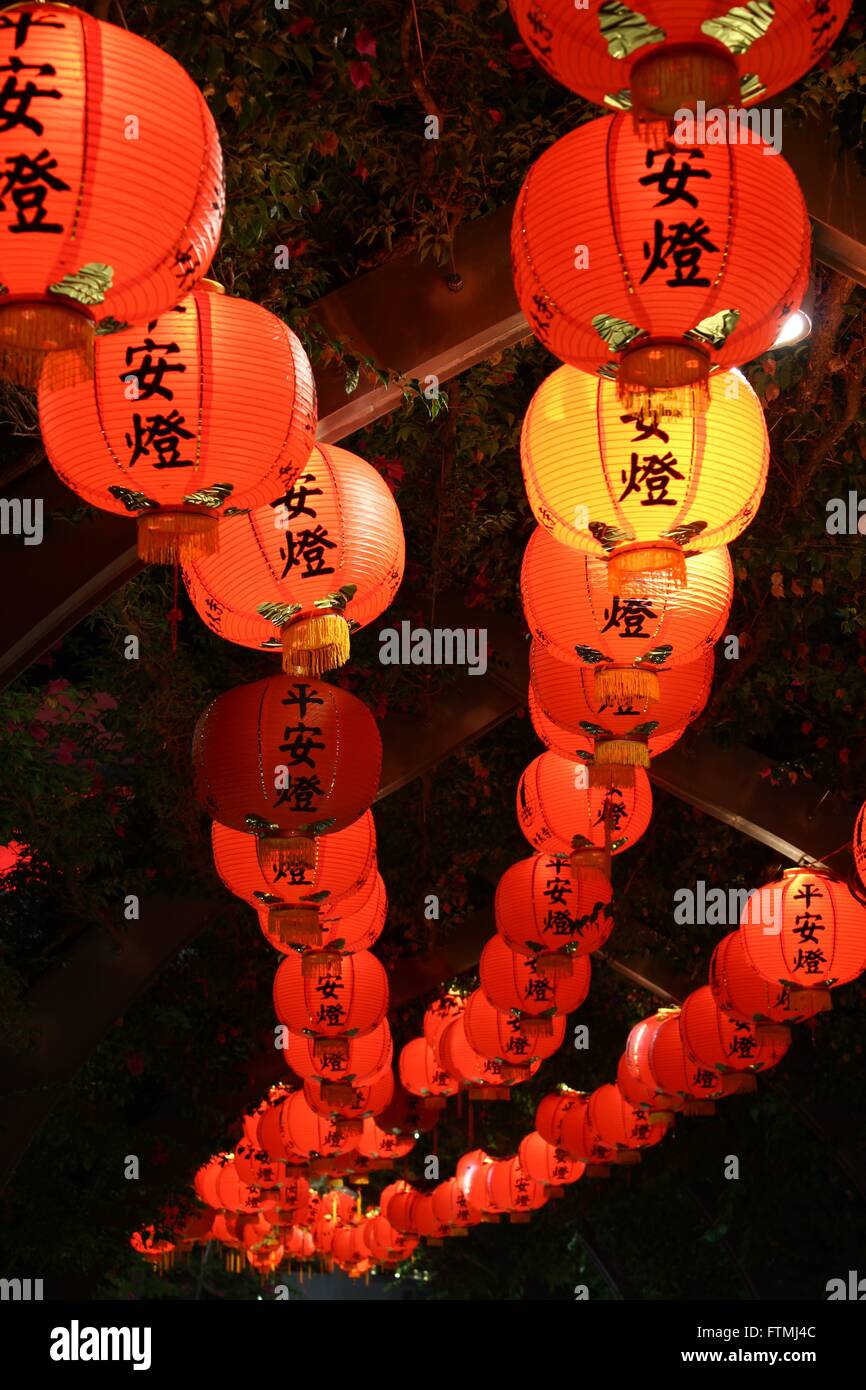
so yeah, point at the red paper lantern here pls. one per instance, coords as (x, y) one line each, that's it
(360, 1062)
(378, 1143)
(440, 1013)
(512, 1041)
(637, 494)
(554, 809)
(205, 1180)
(385, 1243)
(471, 1173)
(541, 906)
(468, 1065)
(210, 407)
(519, 984)
(314, 1134)
(344, 863)
(254, 1170)
(677, 52)
(395, 1204)
(643, 1095)
(286, 760)
(235, 1195)
(347, 1003)
(422, 1074)
(513, 1190)
(575, 721)
(451, 1206)
(617, 1123)
(546, 1164)
(552, 1111)
(325, 556)
(662, 1061)
(339, 1099)
(426, 1221)
(624, 641)
(677, 283)
(716, 1040)
(353, 924)
(128, 207)
(813, 938)
(858, 845)
(742, 993)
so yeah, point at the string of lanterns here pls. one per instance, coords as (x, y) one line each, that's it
(164, 399)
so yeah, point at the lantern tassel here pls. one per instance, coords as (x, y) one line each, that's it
(664, 380)
(321, 965)
(621, 752)
(324, 1047)
(286, 850)
(296, 925)
(537, 1027)
(611, 774)
(618, 684)
(560, 966)
(634, 571)
(175, 537)
(47, 344)
(337, 1093)
(314, 645)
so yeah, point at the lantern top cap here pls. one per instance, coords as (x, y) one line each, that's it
(819, 871)
(212, 286)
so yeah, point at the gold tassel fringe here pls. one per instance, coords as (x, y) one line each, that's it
(175, 537)
(636, 571)
(45, 344)
(807, 999)
(676, 77)
(296, 925)
(618, 684)
(337, 1093)
(621, 752)
(286, 850)
(537, 1027)
(314, 645)
(337, 1047)
(664, 380)
(590, 857)
(559, 965)
(611, 775)
(321, 965)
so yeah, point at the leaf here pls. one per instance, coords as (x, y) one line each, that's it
(590, 655)
(617, 333)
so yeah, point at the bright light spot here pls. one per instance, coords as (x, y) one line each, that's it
(796, 327)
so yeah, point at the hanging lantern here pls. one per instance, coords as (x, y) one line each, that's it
(451, 1206)
(660, 1060)
(541, 906)
(574, 721)
(639, 495)
(742, 993)
(207, 409)
(519, 984)
(126, 225)
(468, 1065)
(641, 1094)
(360, 1062)
(426, 1222)
(513, 1190)
(440, 1013)
(343, 863)
(353, 924)
(324, 558)
(422, 1074)
(235, 1195)
(544, 1163)
(617, 1123)
(512, 1041)
(552, 1110)
(663, 57)
(254, 1169)
(812, 938)
(678, 284)
(286, 760)
(570, 611)
(159, 1254)
(378, 1143)
(395, 1201)
(554, 809)
(340, 1100)
(205, 1181)
(727, 1044)
(859, 845)
(385, 1243)
(314, 1134)
(471, 1173)
(347, 1003)
(406, 1114)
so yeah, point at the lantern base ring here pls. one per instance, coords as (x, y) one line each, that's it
(172, 537)
(664, 380)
